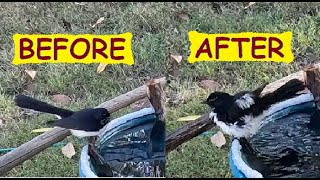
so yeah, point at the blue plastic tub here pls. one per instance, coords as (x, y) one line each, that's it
(237, 163)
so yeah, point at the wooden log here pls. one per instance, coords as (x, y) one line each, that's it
(312, 80)
(188, 131)
(202, 124)
(45, 140)
(157, 97)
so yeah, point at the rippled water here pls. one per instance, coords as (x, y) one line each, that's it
(285, 147)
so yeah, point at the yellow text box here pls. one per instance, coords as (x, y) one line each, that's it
(64, 48)
(247, 46)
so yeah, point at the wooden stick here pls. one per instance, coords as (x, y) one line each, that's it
(312, 80)
(157, 97)
(202, 124)
(45, 140)
(188, 131)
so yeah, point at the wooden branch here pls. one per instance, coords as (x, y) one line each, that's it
(157, 97)
(312, 80)
(188, 131)
(45, 140)
(202, 124)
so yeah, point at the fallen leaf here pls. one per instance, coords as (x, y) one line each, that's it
(174, 64)
(218, 139)
(98, 22)
(250, 4)
(101, 67)
(209, 85)
(41, 130)
(178, 58)
(61, 99)
(188, 118)
(31, 73)
(68, 150)
(183, 16)
(138, 105)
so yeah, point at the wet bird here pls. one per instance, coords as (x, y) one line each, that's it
(241, 115)
(82, 123)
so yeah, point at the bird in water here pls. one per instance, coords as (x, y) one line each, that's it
(288, 147)
(82, 123)
(241, 115)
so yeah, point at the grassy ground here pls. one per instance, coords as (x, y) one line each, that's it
(158, 32)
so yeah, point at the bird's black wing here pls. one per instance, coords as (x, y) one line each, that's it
(245, 102)
(31, 103)
(84, 120)
(78, 124)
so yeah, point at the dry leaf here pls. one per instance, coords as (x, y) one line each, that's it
(68, 150)
(218, 139)
(138, 105)
(174, 64)
(188, 118)
(31, 73)
(98, 22)
(209, 85)
(61, 99)
(101, 67)
(250, 4)
(183, 16)
(178, 58)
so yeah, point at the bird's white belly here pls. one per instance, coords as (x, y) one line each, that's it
(252, 125)
(82, 134)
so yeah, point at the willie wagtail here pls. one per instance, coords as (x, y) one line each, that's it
(82, 123)
(241, 115)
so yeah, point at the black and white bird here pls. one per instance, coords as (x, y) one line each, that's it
(82, 123)
(241, 115)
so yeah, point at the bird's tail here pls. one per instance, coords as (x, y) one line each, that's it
(31, 103)
(286, 91)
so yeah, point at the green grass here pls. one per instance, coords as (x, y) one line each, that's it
(158, 32)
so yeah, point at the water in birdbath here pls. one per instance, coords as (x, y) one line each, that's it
(285, 146)
(132, 148)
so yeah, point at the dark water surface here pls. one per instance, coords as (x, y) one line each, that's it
(136, 149)
(285, 146)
